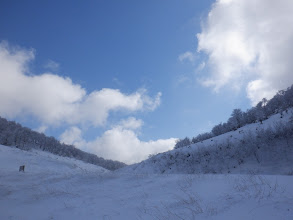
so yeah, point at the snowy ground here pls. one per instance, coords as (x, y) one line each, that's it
(276, 158)
(53, 187)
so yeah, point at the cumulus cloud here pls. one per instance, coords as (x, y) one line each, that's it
(131, 123)
(119, 143)
(54, 99)
(249, 42)
(72, 135)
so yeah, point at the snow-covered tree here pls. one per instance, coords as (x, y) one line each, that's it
(236, 119)
(182, 143)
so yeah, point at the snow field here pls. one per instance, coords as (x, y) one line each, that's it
(61, 188)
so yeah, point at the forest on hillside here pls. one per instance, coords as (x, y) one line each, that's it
(13, 134)
(281, 102)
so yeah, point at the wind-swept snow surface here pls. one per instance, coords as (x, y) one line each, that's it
(54, 187)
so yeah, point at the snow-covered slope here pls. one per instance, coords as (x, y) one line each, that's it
(40, 162)
(259, 148)
(61, 188)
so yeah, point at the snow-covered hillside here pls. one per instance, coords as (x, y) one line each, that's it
(36, 162)
(261, 148)
(54, 187)
(13, 134)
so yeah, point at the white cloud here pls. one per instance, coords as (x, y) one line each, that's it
(200, 67)
(187, 56)
(119, 143)
(249, 42)
(148, 102)
(72, 135)
(131, 123)
(181, 79)
(52, 65)
(54, 99)
(41, 129)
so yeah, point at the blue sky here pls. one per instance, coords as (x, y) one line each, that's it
(172, 68)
